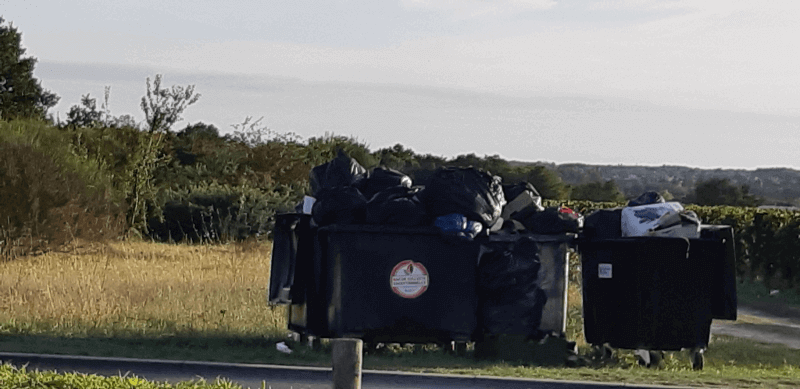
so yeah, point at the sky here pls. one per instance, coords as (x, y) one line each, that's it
(710, 84)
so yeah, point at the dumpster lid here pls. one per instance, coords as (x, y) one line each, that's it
(567, 237)
(382, 229)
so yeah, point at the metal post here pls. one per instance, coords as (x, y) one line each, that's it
(347, 356)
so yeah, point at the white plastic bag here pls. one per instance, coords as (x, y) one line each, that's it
(282, 347)
(639, 220)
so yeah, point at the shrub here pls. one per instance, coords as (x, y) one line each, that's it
(220, 213)
(44, 206)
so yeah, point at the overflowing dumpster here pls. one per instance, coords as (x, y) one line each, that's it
(417, 285)
(657, 293)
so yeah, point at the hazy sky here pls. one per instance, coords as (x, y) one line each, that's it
(695, 83)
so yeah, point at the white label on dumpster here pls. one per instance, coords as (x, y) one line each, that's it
(409, 279)
(604, 270)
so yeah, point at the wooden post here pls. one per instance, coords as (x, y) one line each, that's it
(347, 356)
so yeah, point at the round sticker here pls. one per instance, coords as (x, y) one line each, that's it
(409, 279)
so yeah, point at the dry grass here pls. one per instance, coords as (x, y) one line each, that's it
(141, 289)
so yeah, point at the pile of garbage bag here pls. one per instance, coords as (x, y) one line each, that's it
(465, 202)
(647, 215)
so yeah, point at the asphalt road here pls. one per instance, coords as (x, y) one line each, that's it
(279, 377)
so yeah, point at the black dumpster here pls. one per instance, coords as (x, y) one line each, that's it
(658, 293)
(416, 284)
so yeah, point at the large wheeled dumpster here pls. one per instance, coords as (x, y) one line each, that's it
(394, 284)
(658, 293)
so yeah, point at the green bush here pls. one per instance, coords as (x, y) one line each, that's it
(44, 205)
(220, 213)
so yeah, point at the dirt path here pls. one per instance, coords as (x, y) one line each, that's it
(763, 322)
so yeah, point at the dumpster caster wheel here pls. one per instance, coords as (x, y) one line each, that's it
(602, 352)
(309, 341)
(649, 358)
(294, 337)
(698, 359)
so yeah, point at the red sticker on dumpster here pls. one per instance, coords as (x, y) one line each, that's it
(409, 279)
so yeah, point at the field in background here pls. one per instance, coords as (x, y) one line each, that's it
(208, 302)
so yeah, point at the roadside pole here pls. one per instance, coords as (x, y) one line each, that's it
(347, 358)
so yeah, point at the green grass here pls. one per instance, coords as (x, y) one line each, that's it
(21, 378)
(757, 292)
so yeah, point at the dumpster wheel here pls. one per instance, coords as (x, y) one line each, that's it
(649, 358)
(602, 352)
(698, 358)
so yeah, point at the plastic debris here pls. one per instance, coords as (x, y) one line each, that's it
(282, 347)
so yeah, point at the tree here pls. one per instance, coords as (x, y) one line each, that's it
(598, 191)
(199, 130)
(720, 191)
(21, 94)
(87, 115)
(493, 164)
(163, 107)
(396, 157)
(546, 181)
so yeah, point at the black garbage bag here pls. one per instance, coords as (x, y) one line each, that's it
(522, 200)
(603, 224)
(340, 171)
(508, 267)
(552, 221)
(399, 205)
(511, 191)
(522, 317)
(645, 198)
(511, 299)
(339, 205)
(381, 178)
(471, 192)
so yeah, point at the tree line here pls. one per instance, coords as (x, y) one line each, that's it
(97, 175)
